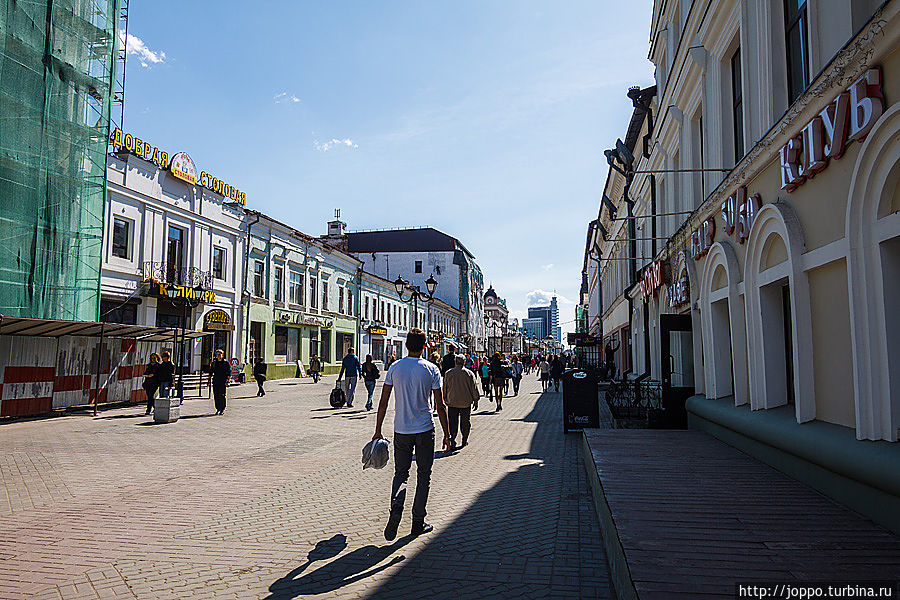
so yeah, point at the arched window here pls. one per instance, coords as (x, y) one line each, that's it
(778, 314)
(723, 325)
(873, 261)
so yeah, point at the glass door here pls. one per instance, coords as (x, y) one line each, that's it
(677, 348)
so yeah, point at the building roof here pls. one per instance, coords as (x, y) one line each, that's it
(420, 239)
(491, 292)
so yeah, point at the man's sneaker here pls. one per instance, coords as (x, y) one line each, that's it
(420, 527)
(390, 530)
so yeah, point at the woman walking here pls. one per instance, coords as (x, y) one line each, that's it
(259, 373)
(221, 373)
(544, 367)
(151, 383)
(370, 375)
(517, 368)
(484, 371)
(315, 367)
(499, 376)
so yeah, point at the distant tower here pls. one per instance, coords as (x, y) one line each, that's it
(554, 320)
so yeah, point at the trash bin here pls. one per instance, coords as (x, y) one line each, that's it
(581, 406)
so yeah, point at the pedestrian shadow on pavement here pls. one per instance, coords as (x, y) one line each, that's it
(134, 416)
(343, 570)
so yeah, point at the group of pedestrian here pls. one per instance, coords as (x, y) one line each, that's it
(159, 375)
(551, 369)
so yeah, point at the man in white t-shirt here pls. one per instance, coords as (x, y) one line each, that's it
(414, 382)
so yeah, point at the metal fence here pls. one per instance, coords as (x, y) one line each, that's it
(634, 400)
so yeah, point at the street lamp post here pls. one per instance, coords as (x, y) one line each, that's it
(172, 292)
(415, 294)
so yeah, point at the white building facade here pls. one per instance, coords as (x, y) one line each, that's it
(165, 233)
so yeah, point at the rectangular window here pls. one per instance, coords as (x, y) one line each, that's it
(121, 238)
(366, 308)
(324, 295)
(295, 288)
(382, 311)
(405, 317)
(389, 315)
(737, 105)
(313, 298)
(174, 255)
(340, 300)
(281, 341)
(349, 302)
(259, 278)
(326, 344)
(795, 24)
(218, 263)
(279, 284)
(418, 266)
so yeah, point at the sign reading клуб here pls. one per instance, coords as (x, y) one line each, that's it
(180, 165)
(848, 117)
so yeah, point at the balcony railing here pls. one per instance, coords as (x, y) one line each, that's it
(186, 276)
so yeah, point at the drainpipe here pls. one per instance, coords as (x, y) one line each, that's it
(245, 291)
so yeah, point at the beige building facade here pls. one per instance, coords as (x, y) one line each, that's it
(770, 169)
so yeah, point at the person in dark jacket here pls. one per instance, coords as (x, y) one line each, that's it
(259, 373)
(449, 360)
(221, 373)
(351, 367)
(151, 384)
(498, 375)
(315, 367)
(165, 374)
(556, 371)
(370, 375)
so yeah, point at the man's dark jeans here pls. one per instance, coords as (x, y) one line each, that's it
(460, 418)
(404, 443)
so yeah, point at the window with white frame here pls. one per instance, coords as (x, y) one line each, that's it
(795, 33)
(295, 288)
(340, 292)
(313, 297)
(259, 278)
(219, 263)
(366, 308)
(279, 284)
(418, 266)
(121, 237)
(324, 295)
(349, 302)
(737, 105)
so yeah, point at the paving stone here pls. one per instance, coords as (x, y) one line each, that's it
(270, 501)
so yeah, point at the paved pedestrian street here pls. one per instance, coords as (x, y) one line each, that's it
(270, 501)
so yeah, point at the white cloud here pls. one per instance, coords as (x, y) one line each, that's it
(547, 267)
(136, 45)
(543, 297)
(285, 97)
(335, 143)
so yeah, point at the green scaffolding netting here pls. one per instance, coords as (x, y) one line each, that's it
(57, 71)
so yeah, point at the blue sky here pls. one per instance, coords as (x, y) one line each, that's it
(485, 119)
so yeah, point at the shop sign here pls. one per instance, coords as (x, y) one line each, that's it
(235, 369)
(377, 330)
(848, 117)
(160, 290)
(217, 320)
(739, 212)
(288, 317)
(583, 340)
(703, 238)
(653, 279)
(680, 292)
(180, 165)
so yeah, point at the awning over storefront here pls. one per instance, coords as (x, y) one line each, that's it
(22, 326)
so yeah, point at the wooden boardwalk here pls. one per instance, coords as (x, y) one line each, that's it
(687, 516)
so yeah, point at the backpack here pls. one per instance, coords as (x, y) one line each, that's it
(337, 397)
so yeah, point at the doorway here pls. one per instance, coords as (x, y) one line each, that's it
(677, 360)
(256, 343)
